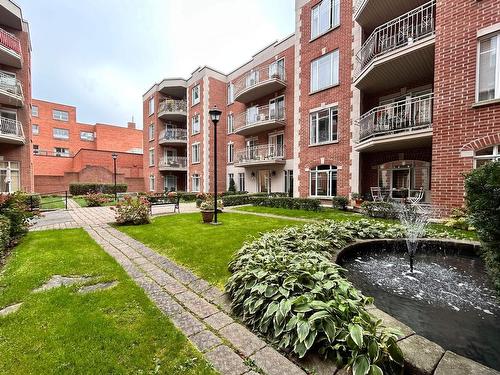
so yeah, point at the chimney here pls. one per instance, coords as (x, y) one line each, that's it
(131, 125)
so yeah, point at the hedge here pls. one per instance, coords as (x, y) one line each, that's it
(289, 203)
(4, 233)
(383, 210)
(82, 189)
(239, 198)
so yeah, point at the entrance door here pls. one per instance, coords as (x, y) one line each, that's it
(264, 181)
(276, 145)
(277, 108)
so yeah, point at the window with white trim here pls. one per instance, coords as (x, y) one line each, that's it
(230, 93)
(151, 132)
(151, 106)
(195, 95)
(230, 123)
(241, 180)
(230, 152)
(60, 115)
(323, 126)
(35, 129)
(87, 136)
(324, 16)
(60, 133)
(325, 71)
(61, 151)
(488, 80)
(34, 110)
(195, 183)
(195, 124)
(151, 182)
(230, 177)
(10, 176)
(151, 157)
(323, 181)
(486, 155)
(195, 153)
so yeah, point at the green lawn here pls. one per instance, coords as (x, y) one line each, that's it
(204, 248)
(52, 202)
(115, 331)
(82, 203)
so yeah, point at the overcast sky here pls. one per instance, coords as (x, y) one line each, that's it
(102, 55)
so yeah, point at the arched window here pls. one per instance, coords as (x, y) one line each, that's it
(323, 181)
(486, 155)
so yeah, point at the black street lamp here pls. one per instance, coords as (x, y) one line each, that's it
(114, 155)
(215, 117)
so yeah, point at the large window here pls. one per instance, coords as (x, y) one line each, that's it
(195, 124)
(34, 110)
(195, 95)
(324, 16)
(60, 115)
(488, 86)
(195, 183)
(151, 106)
(151, 156)
(487, 155)
(325, 71)
(241, 180)
(87, 136)
(152, 182)
(230, 123)
(323, 181)
(195, 153)
(170, 183)
(151, 132)
(60, 133)
(323, 127)
(230, 93)
(35, 129)
(230, 152)
(9, 176)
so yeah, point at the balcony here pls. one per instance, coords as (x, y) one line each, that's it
(403, 124)
(11, 92)
(173, 136)
(66, 154)
(371, 13)
(173, 163)
(271, 154)
(173, 110)
(398, 49)
(10, 50)
(11, 131)
(259, 119)
(259, 82)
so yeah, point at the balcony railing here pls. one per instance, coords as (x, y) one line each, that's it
(401, 116)
(357, 4)
(258, 154)
(259, 115)
(10, 41)
(172, 105)
(9, 127)
(397, 33)
(11, 85)
(52, 153)
(174, 134)
(258, 76)
(173, 162)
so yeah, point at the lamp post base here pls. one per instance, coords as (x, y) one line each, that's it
(216, 223)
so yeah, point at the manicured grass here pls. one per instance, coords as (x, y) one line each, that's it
(52, 202)
(82, 203)
(328, 213)
(115, 331)
(204, 248)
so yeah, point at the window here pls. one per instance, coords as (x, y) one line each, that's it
(277, 108)
(488, 86)
(230, 152)
(61, 151)
(230, 123)
(195, 183)
(276, 149)
(195, 153)
(60, 133)
(151, 182)
(151, 132)
(195, 95)
(289, 182)
(60, 115)
(170, 183)
(151, 157)
(323, 181)
(35, 129)
(325, 71)
(36, 149)
(87, 136)
(487, 155)
(325, 16)
(277, 69)
(195, 124)
(34, 110)
(9, 176)
(323, 126)
(230, 93)
(230, 177)
(151, 106)
(241, 181)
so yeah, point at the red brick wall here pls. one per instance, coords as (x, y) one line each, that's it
(456, 122)
(337, 153)
(196, 168)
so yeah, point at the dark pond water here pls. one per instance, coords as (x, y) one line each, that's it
(448, 299)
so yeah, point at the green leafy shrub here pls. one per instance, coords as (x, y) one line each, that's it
(383, 210)
(285, 286)
(458, 219)
(236, 200)
(96, 199)
(4, 233)
(287, 202)
(340, 202)
(482, 187)
(133, 211)
(15, 208)
(82, 189)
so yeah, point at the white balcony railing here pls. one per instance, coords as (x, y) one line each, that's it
(10, 41)
(263, 114)
(173, 162)
(172, 105)
(262, 153)
(10, 127)
(401, 116)
(397, 33)
(11, 85)
(259, 75)
(174, 134)
(357, 4)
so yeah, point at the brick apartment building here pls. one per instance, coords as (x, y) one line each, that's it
(377, 95)
(66, 151)
(15, 100)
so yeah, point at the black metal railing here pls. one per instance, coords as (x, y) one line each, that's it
(57, 200)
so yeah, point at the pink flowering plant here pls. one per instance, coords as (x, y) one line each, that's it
(133, 211)
(96, 199)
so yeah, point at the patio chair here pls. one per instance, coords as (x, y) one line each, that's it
(415, 196)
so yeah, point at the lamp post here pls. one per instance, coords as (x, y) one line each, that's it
(114, 156)
(215, 117)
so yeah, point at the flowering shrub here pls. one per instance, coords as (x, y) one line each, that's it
(172, 195)
(14, 218)
(133, 211)
(96, 199)
(208, 203)
(200, 197)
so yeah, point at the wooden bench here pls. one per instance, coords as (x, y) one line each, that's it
(162, 199)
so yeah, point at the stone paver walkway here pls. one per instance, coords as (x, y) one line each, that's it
(198, 309)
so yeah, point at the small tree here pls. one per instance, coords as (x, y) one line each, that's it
(232, 186)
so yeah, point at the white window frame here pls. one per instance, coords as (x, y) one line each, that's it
(494, 156)
(334, 57)
(195, 186)
(333, 17)
(497, 66)
(230, 93)
(241, 181)
(166, 182)
(195, 95)
(151, 156)
(332, 111)
(152, 182)
(151, 106)
(59, 136)
(195, 151)
(273, 68)
(83, 138)
(11, 166)
(273, 106)
(34, 112)
(332, 170)
(230, 123)
(37, 132)
(273, 142)
(195, 119)
(58, 115)
(230, 153)
(229, 176)
(61, 151)
(151, 132)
